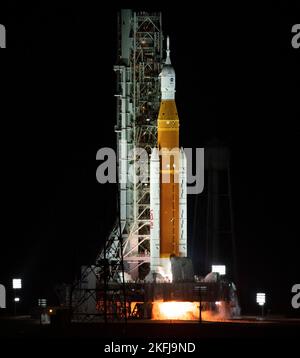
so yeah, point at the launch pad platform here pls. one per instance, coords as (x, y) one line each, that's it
(113, 301)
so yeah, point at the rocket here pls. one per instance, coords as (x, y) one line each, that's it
(168, 201)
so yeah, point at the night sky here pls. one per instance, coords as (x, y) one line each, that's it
(237, 80)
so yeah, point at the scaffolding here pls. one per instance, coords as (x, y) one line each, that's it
(138, 98)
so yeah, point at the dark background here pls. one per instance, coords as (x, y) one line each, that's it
(237, 80)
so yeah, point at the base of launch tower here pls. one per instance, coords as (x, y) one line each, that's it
(93, 299)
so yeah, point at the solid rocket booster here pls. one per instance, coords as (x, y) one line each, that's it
(182, 204)
(154, 211)
(168, 210)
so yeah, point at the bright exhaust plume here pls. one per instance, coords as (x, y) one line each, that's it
(176, 310)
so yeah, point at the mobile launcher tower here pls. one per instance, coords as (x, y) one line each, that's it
(143, 269)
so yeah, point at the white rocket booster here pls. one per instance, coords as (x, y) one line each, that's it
(182, 204)
(154, 211)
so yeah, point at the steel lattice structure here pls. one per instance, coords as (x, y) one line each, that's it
(138, 98)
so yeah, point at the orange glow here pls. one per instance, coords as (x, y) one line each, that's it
(175, 310)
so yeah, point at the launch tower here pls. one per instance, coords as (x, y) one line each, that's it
(140, 58)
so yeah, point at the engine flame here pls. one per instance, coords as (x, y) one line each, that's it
(176, 310)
